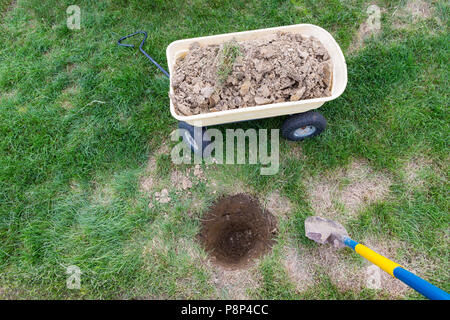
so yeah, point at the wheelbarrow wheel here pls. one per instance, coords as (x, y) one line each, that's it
(303, 125)
(197, 145)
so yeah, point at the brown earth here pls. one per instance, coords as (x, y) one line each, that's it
(236, 230)
(277, 68)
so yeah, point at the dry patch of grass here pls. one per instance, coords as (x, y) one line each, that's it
(234, 284)
(148, 182)
(151, 163)
(341, 194)
(414, 11)
(299, 270)
(277, 204)
(419, 9)
(413, 170)
(180, 181)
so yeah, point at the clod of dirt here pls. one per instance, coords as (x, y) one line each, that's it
(236, 231)
(198, 172)
(147, 184)
(180, 181)
(163, 196)
(277, 68)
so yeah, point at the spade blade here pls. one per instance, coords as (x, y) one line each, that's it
(324, 231)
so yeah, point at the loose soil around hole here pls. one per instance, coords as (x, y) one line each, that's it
(236, 231)
(277, 68)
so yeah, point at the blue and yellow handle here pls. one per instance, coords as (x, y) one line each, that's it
(394, 269)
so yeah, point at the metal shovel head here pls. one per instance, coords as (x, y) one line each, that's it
(324, 231)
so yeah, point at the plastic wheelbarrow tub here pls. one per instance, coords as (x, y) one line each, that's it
(179, 48)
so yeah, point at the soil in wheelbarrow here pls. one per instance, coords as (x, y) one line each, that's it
(277, 68)
(236, 230)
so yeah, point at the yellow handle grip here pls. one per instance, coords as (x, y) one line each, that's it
(383, 262)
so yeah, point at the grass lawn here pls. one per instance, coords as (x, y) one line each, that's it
(84, 146)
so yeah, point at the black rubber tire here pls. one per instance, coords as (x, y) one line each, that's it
(200, 145)
(310, 118)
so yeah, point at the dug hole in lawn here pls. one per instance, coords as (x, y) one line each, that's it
(236, 230)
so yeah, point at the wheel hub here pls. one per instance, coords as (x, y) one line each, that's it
(304, 131)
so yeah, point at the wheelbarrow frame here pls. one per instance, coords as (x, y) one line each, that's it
(302, 123)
